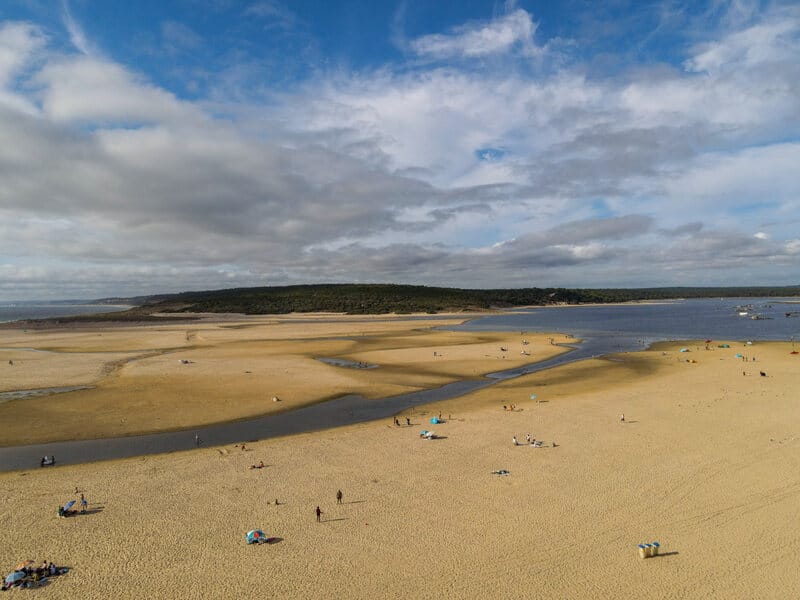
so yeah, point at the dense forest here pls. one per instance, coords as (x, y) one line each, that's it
(386, 298)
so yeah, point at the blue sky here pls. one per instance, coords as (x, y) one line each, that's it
(159, 146)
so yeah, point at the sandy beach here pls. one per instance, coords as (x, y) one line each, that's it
(706, 462)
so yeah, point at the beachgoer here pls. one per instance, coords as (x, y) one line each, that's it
(319, 514)
(196, 440)
(244, 448)
(339, 497)
(514, 440)
(622, 418)
(84, 504)
(408, 421)
(396, 422)
(527, 437)
(505, 407)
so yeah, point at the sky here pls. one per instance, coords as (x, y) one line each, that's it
(161, 146)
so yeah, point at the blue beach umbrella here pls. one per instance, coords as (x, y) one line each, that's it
(69, 505)
(255, 536)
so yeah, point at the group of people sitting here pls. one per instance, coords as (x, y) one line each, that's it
(529, 439)
(27, 575)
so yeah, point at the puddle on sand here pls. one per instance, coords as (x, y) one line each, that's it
(347, 364)
(23, 394)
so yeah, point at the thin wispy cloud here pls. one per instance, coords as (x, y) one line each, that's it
(76, 34)
(509, 32)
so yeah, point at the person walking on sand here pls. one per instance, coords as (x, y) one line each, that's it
(339, 497)
(319, 514)
(408, 422)
(84, 504)
(622, 418)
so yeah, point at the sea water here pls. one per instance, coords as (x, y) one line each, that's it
(18, 311)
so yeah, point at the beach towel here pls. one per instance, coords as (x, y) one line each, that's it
(501, 472)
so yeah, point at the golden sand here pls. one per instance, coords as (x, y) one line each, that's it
(706, 462)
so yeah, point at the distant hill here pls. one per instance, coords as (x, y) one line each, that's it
(388, 298)
(353, 298)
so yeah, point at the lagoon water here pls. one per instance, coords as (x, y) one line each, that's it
(604, 329)
(630, 326)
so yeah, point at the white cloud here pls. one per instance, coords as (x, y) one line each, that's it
(772, 41)
(99, 91)
(515, 29)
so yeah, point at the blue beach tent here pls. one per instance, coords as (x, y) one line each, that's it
(256, 536)
(15, 577)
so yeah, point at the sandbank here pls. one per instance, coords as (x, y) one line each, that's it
(153, 378)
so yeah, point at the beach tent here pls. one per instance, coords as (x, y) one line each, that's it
(533, 396)
(15, 577)
(724, 346)
(739, 355)
(684, 350)
(435, 420)
(256, 536)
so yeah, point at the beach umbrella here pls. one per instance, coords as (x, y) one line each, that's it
(255, 536)
(69, 505)
(533, 396)
(15, 576)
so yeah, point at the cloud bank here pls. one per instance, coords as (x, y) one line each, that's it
(662, 174)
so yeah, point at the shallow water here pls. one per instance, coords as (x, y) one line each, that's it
(605, 329)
